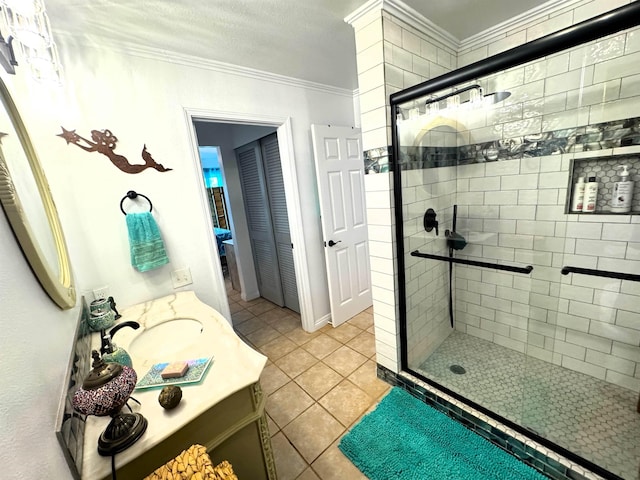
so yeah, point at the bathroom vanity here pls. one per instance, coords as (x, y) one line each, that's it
(224, 411)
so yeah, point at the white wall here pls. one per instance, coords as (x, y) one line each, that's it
(35, 343)
(142, 101)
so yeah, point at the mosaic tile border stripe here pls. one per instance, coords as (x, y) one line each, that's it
(599, 136)
(378, 160)
(538, 456)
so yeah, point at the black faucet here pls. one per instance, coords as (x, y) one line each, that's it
(105, 338)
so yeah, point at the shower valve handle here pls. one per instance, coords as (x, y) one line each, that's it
(429, 221)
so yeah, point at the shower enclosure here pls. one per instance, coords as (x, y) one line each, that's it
(509, 300)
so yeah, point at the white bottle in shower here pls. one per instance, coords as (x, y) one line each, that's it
(577, 199)
(622, 192)
(590, 195)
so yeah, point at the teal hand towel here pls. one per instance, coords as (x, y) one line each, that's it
(145, 243)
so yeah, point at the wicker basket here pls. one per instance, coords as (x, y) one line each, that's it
(193, 464)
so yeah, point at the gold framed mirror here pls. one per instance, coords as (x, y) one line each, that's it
(29, 207)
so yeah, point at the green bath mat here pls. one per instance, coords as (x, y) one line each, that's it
(405, 439)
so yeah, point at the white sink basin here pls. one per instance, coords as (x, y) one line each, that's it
(166, 338)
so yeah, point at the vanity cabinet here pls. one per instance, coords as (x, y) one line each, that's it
(234, 429)
(224, 411)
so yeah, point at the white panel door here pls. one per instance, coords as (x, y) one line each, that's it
(340, 171)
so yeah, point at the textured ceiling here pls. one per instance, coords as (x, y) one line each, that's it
(306, 39)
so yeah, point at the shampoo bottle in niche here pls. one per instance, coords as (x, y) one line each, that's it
(577, 199)
(590, 195)
(622, 192)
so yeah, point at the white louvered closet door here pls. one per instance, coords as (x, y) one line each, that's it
(280, 220)
(256, 203)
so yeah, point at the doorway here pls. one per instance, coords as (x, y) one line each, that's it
(228, 126)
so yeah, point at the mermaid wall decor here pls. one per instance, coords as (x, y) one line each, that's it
(104, 142)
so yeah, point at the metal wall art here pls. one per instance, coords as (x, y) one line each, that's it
(104, 142)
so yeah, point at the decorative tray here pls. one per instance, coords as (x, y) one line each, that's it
(197, 370)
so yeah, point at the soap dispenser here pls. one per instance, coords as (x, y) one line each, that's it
(622, 192)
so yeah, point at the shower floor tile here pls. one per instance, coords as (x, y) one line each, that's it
(592, 418)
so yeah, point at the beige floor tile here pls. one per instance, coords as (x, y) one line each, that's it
(300, 337)
(318, 380)
(248, 325)
(345, 360)
(365, 343)
(344, 332)
(234, 307)
(363, 320)
(289, 463)
(273, 315)
(286, 323)
(309, 474)
(313, 432)
(241, 316)
(287, 403)
(333, 465)
(346, 402)
(278, 348)
(262, 336)
(366, 378)
(296, 362)
(233, 296)
(321, 346)
(272, 379)
(261, 307)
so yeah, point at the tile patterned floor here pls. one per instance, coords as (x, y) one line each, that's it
(592, 418)
(318, 385)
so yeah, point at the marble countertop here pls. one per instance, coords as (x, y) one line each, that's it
(235, 366)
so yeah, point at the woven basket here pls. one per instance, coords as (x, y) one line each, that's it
(193, 464)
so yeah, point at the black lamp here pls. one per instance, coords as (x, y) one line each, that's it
(104, 392)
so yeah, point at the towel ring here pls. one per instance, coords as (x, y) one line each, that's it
(131, 195)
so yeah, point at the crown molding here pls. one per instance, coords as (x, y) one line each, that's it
(418, 21)
(541, 12)
(220, 67)
(408, 15)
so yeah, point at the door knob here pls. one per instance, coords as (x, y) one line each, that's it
(332, 243)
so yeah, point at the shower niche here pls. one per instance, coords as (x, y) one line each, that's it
(606, 170)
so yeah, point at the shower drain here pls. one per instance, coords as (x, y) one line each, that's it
(457, 369)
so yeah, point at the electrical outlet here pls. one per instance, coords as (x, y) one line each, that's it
(181, 277)
(101, 292)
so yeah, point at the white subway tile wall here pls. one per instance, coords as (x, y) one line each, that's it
(396, 56)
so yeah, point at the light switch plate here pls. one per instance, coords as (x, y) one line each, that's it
(181, 277)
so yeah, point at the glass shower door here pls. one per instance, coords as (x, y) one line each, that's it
(470, 201)
(514, 301)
